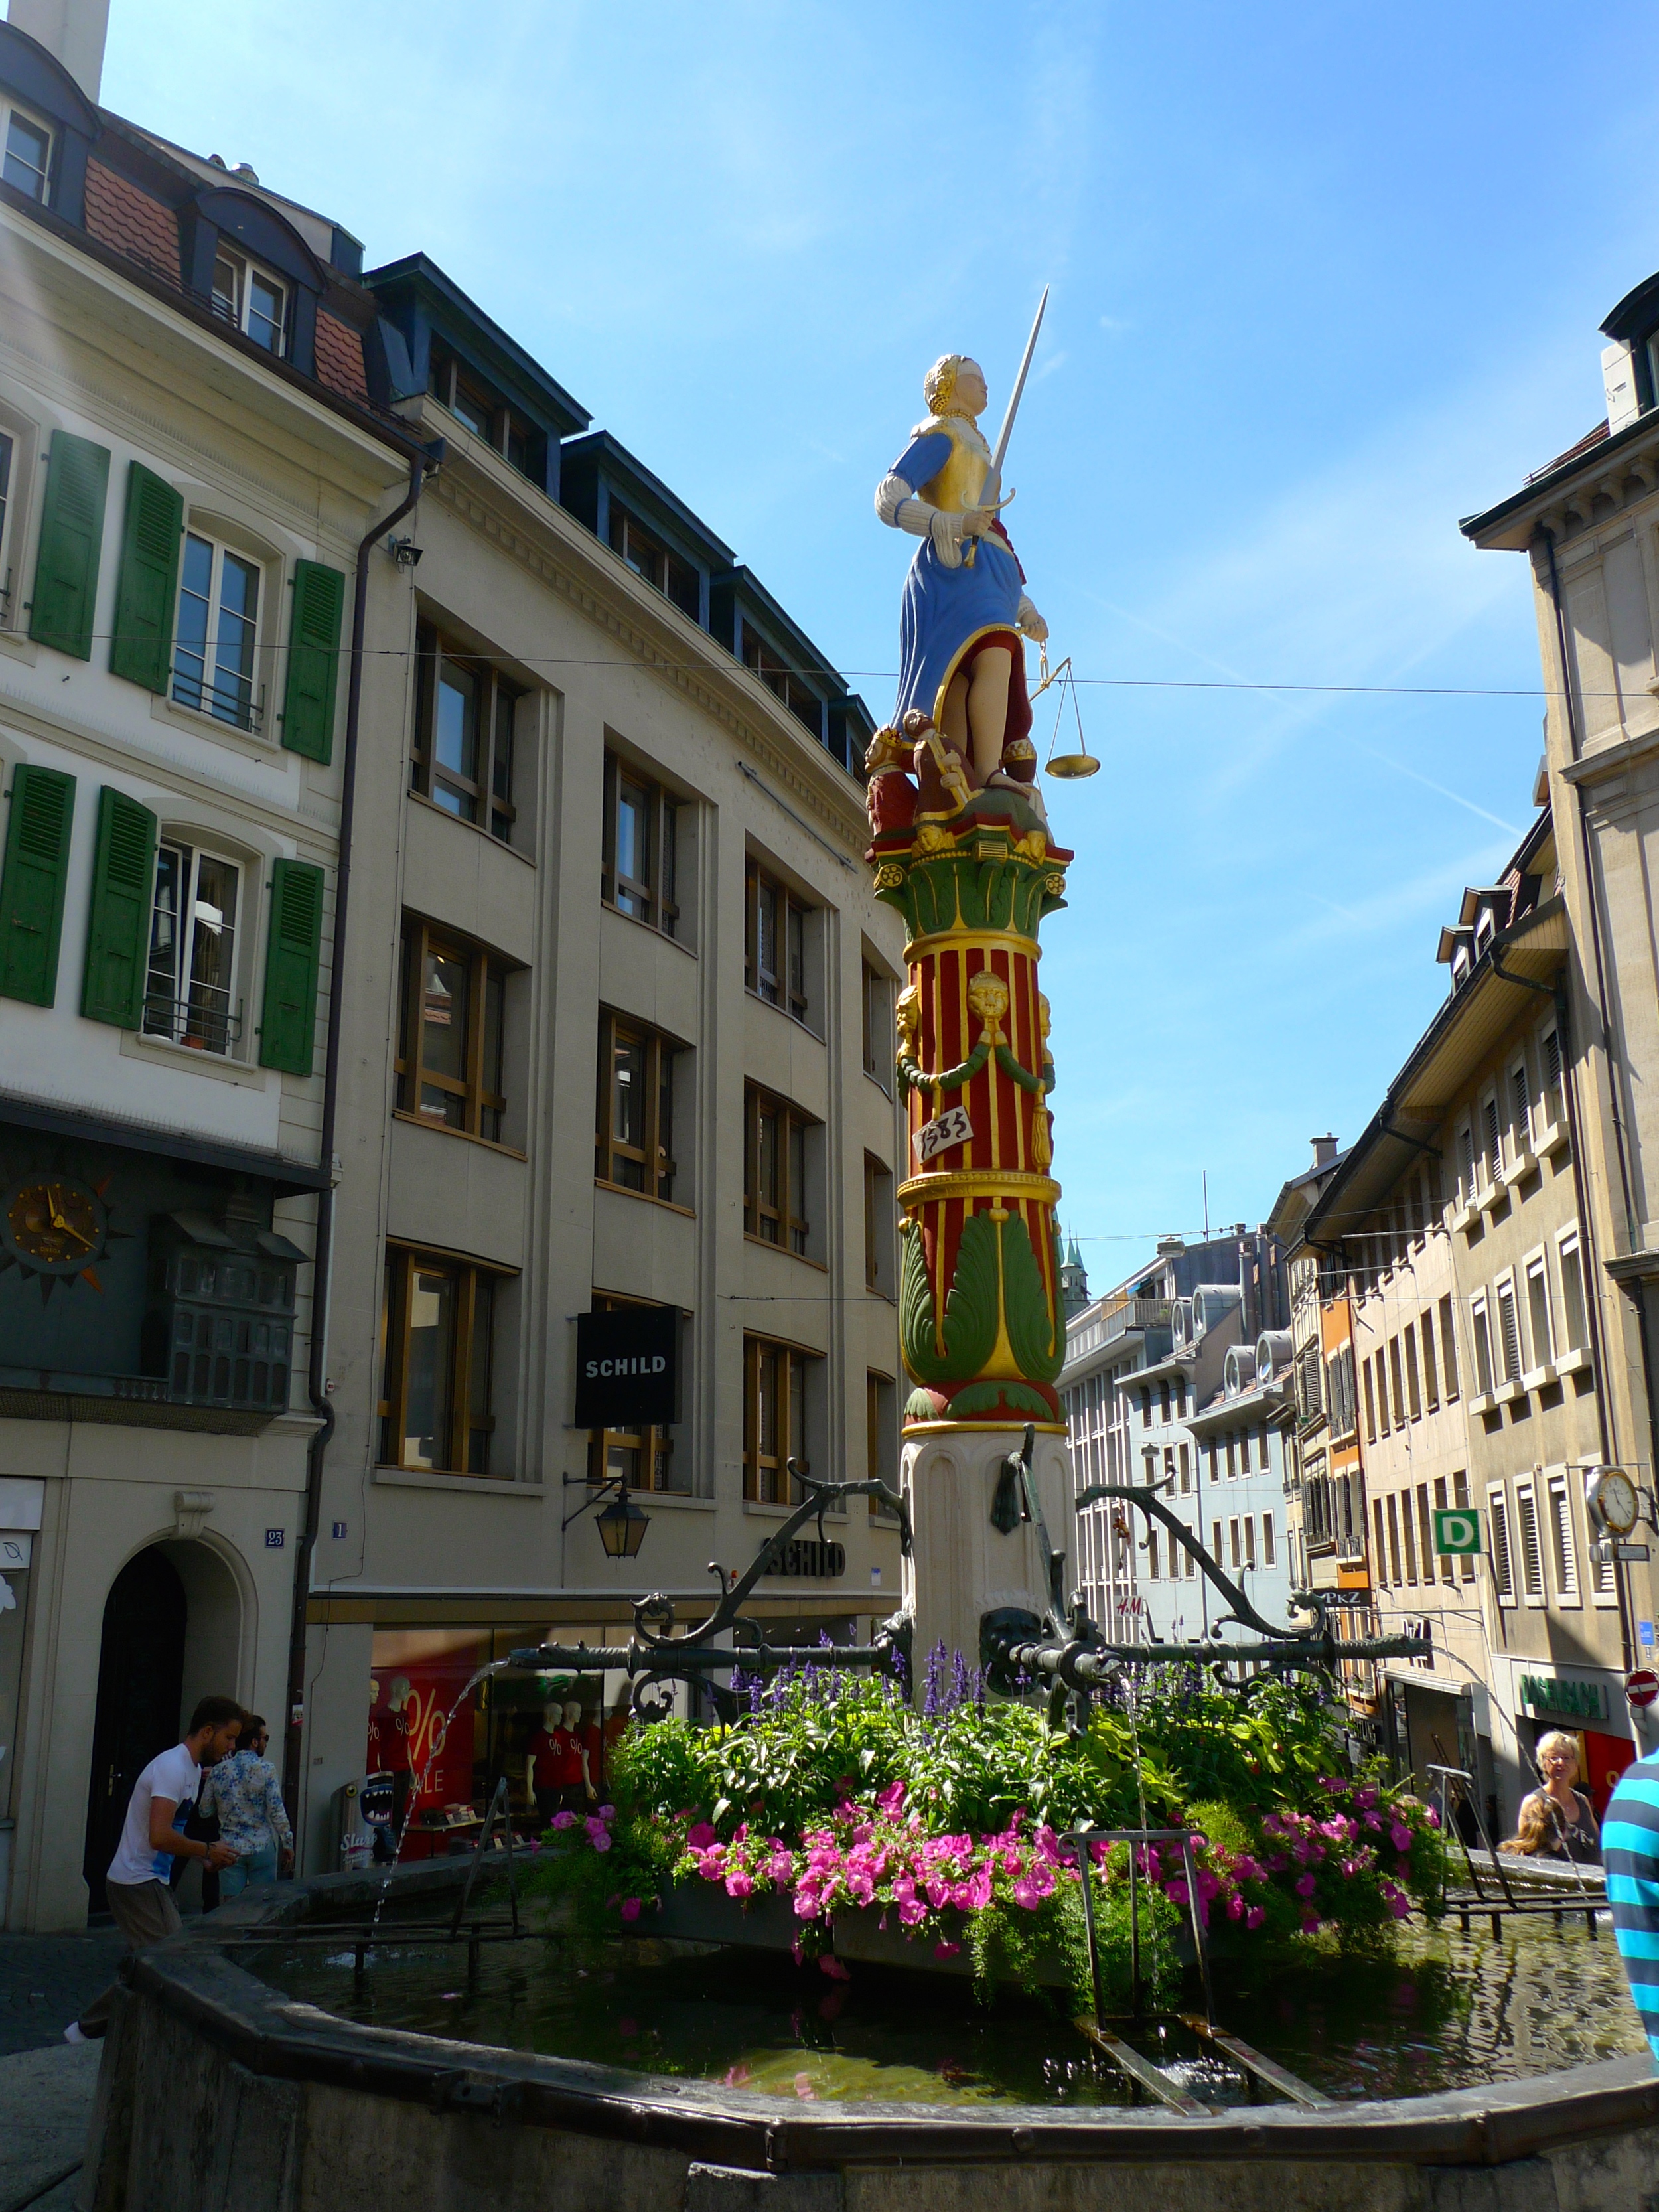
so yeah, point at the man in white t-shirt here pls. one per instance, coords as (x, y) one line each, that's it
(137, 1884)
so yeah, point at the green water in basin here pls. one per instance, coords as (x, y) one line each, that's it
(1449, 2011)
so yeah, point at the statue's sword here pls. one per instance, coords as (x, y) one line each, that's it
(991, 491)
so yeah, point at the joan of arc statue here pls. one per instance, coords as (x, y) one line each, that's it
(962, 672)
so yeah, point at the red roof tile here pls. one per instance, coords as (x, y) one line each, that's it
(120, 215)
(340, 358)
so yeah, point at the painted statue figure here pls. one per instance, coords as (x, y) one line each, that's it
(962, 699)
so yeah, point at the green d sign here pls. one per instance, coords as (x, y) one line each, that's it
(1458, 1531)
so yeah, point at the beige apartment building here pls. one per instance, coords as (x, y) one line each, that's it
(619, 1014)
(188, 461)
(1458, 1215)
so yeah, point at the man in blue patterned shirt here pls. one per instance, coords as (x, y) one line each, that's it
(1629, 1852)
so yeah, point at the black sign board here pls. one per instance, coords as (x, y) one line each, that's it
(626, 1367)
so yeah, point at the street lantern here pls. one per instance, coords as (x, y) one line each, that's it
(622, 1527)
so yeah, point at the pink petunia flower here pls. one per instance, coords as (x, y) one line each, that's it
(564, 1819)
(1306, 1885)
(699, 1839)
(946, 1950)
(891, 1799)
(1254, 1917)
(631, 1908)
(739, 1884)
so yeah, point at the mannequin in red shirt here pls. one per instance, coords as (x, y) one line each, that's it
(557, 1765)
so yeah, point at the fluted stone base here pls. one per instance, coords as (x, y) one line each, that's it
(961, 1566)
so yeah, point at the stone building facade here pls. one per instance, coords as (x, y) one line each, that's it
(188, 460)
(614, 1028)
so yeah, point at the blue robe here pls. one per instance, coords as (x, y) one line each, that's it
(944, 610)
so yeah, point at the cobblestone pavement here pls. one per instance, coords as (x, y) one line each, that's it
(45, 1980)
(46, 2104)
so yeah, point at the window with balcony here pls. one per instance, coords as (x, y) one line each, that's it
(26, 164)
(1492, 1156)
(774, 942)
(640, 846)
(634, 1144)
(643, 1458)
(774, 1418)
(437, 1352)
(775, 1171)
(190, 985)
(216, 635)
(1413, 1385)
(1370, 1404)
(1430, 1375)
(648, 558)
(450, 1047)
(252, 300)
(464, 755)
(1380, 1564)
(1266, 1539)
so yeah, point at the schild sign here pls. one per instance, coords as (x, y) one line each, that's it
(1458, 1533)
(951, 1127)
(1643, 1687)
(627, 1368)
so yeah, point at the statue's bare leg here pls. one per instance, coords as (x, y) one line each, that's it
(987, 708)
(955, 731)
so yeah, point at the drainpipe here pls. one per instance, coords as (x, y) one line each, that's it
(421, 463)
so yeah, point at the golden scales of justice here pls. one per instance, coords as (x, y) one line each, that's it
(1065, 765)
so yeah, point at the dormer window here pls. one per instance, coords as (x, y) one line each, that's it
(252, 300)
(648, 558)
(1459, 967)
(482, 410)
(1485, 930)
(27, 162)
(803, 704)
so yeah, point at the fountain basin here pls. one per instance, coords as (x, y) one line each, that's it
(220, 2094)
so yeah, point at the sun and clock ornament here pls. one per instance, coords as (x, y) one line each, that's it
(55, 1227)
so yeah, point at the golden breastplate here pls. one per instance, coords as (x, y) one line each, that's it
(958, 484)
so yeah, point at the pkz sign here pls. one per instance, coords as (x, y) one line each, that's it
(627, 1368)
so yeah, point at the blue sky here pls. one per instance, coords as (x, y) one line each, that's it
(1324, 279)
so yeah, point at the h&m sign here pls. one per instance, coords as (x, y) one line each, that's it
(1549, 1693)
(627, 1368)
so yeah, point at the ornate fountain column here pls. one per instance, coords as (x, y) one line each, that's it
(981, 1322)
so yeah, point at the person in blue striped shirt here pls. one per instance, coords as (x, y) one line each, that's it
(1629, 1852)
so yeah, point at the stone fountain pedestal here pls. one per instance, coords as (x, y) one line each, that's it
(961, 1566)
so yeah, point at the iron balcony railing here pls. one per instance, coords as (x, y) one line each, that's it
(198, 1021)
(232, 703)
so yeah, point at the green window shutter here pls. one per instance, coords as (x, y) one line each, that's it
(71, 535)
(313, 661)
(32, 887)
(148, 588)
(118, 940)
(289, 1024)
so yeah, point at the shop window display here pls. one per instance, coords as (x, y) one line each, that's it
(550, 1740)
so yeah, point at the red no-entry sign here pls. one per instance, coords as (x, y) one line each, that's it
(1642, 1687)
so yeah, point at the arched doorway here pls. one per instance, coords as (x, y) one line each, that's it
(141, 1675)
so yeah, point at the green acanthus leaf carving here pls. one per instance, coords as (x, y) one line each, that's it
(1036, 1339)
(970, 1333)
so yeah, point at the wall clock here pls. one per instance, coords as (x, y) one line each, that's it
(55, 1227)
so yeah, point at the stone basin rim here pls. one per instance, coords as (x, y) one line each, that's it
(191, 1977)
